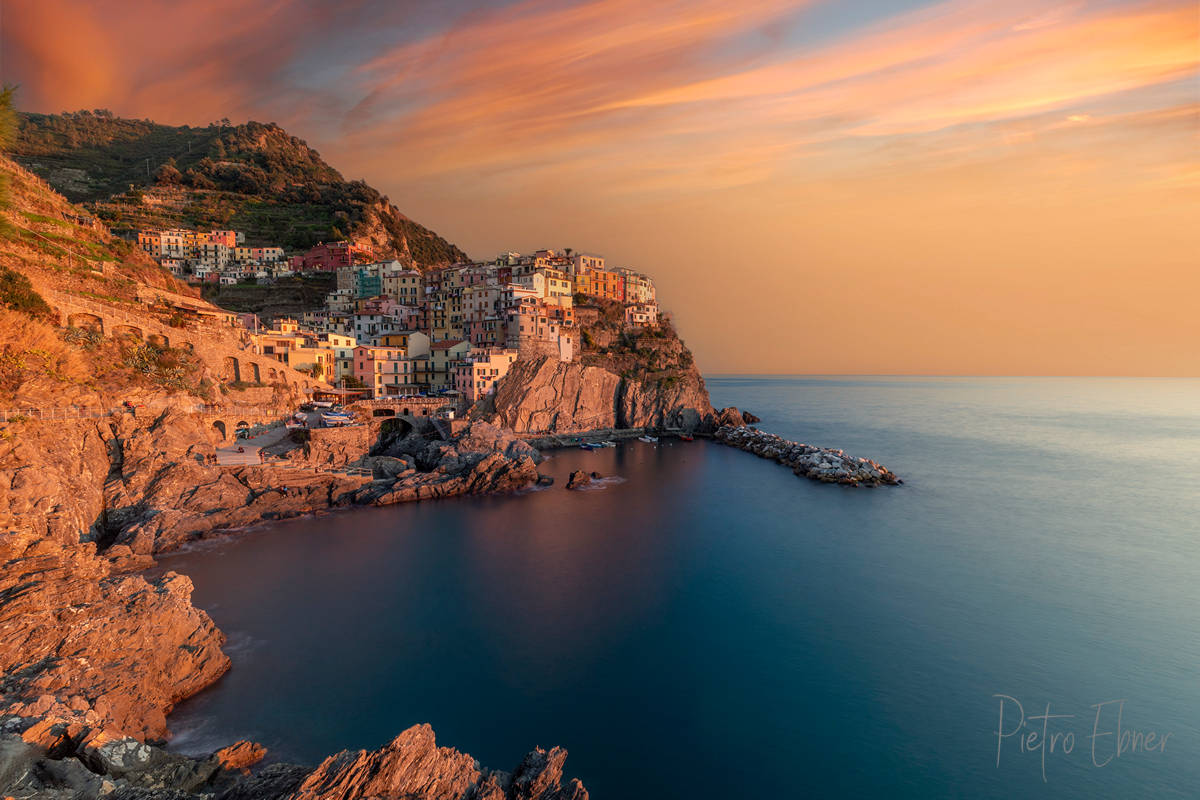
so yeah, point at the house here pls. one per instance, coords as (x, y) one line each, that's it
(331, 256)
(476, 375)
(642, 315)
(385, 371)
(414, 343)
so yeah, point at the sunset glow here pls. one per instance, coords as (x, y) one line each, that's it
(955, 187)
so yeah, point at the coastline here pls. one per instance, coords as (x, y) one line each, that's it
(160, 464)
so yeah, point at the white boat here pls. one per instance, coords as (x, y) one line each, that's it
(322, 403)
(608, 444)
(334, 419)
(648, 439)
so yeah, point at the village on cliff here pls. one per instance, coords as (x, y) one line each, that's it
(391, 331)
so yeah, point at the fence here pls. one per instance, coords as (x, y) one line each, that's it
(86, 412)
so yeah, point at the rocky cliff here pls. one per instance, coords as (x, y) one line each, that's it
(544, 395)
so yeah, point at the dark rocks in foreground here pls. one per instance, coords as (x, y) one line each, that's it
(410, 767)
(413, 766)
(806, 461)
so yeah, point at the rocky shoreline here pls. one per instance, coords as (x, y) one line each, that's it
(93, 656)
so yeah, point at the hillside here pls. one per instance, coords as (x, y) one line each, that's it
(255, 178)
(55, 262)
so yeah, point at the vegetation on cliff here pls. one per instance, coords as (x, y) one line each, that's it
(650, 356)
(254, 177)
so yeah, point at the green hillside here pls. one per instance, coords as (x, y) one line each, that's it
(254, 177)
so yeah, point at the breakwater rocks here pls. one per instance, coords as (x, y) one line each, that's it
(815, 463)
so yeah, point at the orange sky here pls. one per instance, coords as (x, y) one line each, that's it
(818, 187)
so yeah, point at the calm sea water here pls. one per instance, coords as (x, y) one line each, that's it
(713, 627)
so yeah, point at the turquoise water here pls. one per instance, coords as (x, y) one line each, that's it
(713, 627)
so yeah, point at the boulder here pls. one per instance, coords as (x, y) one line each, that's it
(240, 756)
(578, 478)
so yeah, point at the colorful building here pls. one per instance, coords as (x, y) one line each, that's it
(476, 375)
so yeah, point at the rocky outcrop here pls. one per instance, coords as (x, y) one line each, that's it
(240, 756)
(413, 766)
(578, 479)
(96, 651)
(544, 395)
(806, 461)
(126, 769)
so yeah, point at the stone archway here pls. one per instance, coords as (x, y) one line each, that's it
(255, 374)
(158, 340)
(85, 321)
(407, 412)
(232, 371)
(272, 374)
(219, 427)
(396, 425)
(127, 332)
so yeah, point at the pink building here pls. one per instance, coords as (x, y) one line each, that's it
(477, 374)
(327, 257)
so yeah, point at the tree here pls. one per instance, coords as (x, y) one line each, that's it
(168, 174)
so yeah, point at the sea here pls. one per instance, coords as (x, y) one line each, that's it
(1021, 618)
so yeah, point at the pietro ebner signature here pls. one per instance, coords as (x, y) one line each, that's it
(1052, 735)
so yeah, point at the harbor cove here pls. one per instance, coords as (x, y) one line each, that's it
(702, 624)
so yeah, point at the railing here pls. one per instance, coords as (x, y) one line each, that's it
(96, 412)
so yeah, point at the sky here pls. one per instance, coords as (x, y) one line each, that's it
(817, 186)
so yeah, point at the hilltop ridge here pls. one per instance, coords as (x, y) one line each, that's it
(256, 177)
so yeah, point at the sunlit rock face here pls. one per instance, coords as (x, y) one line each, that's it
(544, 395)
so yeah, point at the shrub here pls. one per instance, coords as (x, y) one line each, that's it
(17, 293)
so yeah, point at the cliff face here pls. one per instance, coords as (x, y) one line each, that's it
(96, 651)
(544, 395)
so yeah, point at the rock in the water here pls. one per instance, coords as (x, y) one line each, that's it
(578, 478)
(730, 417)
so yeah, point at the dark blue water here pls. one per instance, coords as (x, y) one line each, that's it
(714, 627)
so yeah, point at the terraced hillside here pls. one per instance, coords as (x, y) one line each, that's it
(254, 177)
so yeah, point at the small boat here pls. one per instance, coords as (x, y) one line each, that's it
(294, 426)
(648, 439)
(322, 404)
(686, 437)
(299, 416)
(588, 446)
(607, 444)
(333, 419)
